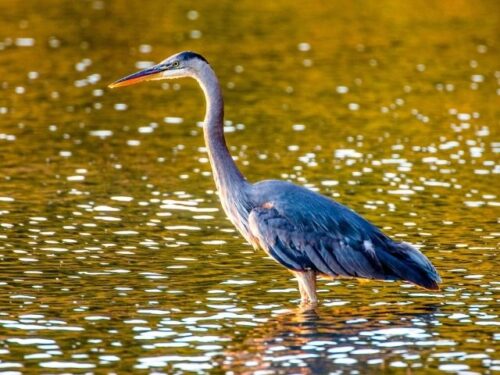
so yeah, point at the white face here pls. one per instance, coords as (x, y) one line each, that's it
(174, 69)
(177, 67)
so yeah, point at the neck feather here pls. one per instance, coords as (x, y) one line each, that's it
(226, 174)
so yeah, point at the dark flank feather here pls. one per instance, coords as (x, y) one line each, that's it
(303, 230)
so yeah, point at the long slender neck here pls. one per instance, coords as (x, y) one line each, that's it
(226, 174)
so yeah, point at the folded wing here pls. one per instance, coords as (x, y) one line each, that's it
(332, 240)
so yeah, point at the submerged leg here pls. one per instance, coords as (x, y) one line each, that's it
(307, 286)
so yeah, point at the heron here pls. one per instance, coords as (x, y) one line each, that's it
(306, 232)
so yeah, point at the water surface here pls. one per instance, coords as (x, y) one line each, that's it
(115, 255)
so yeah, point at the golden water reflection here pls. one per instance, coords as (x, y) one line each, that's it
(114, 253)
(323, 340)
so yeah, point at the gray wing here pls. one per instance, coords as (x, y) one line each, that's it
(304, 230)
(301, 249)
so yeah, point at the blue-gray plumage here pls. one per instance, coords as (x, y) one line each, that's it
(304, 231)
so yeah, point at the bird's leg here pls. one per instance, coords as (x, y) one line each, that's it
(304, 299)
(307, 286)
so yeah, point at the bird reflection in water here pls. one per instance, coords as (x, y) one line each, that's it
(316, 340)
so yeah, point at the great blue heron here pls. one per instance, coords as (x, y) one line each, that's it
(304, 231)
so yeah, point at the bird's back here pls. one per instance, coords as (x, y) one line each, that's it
(312, 211)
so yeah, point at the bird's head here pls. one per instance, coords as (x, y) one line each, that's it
(184, 64)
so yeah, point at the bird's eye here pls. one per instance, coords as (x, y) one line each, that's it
(176, 64)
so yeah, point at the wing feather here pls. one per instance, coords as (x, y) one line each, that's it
(303, 230)
(302, 250)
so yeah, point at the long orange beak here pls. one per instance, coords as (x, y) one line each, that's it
(144, 75)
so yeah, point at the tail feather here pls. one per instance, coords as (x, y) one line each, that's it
(408, 263)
